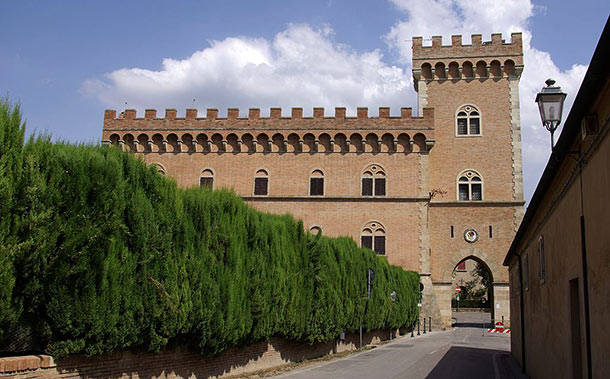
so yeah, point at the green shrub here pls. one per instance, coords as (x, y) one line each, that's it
(102, 253)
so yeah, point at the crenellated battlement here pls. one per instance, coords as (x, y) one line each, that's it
(276, 133)
(496, 47)
(482, 60)
(274, 114)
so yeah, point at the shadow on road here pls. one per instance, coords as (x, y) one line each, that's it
(467, 362)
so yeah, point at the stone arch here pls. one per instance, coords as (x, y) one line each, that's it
(357, 142)
(129, 140)
(114, 139)
(248, 140)
(341, 141)
(454, 70)
(262, 141)
(470, 253)
(426, 70)
(202, 143)
(157, 143)
(188, 143)
(372, 143)
(419, 140)
(233, 143)
(293, 145)
(481, 70)
(325, 142)
(387, 143)
(509, 67)
(217, 143)
(309, 141)
(278, 143)
(404, 141)
(172, 143)
(439, 71)
(468, 70)
(495, 69)
(144, 143)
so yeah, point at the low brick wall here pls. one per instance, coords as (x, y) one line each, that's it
(181, 363)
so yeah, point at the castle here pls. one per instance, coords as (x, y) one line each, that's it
(427, 192)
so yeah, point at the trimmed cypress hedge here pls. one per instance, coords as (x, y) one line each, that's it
(101, 253)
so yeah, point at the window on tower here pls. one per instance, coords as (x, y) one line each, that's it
(468, 121)
(469, 186)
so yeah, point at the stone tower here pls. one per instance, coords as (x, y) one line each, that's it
(475, 171)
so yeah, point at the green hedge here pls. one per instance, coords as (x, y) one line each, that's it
(102, 253)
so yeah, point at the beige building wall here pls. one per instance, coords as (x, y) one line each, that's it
(553, 311)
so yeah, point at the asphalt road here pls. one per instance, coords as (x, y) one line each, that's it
(466, 351)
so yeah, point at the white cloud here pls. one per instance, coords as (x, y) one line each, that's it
(301, 67)
(305, 67)
(466, 17)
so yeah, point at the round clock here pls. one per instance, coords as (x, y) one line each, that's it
(471, 235)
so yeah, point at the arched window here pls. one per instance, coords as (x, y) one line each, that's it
(315, 230)
(468, 121)
(206, 180)
(470, 186)
(160, 168)
(373, 237)
(261, 183)
(316, 183)
(373, 181)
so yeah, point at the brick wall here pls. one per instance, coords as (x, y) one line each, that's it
(181, 363)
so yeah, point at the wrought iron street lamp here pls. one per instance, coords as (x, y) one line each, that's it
(550, 104)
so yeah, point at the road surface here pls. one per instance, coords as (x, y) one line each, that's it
(466, 351)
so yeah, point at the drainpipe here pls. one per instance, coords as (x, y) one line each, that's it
(585, 276)
(521, 315)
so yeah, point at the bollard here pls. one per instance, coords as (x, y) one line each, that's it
(361, 336)
(430, 323)
(502, 319)
(424, 324)
(412, 328)
(418, 326)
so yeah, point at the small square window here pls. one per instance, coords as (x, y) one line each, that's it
(261, 186)
(206, 182)
(474, 126)
(379, 186)
(380, 244)
(316, 186)
(464, 196)
(367, 186)
(367, 241)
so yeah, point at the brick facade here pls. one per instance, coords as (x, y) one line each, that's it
(417, 156)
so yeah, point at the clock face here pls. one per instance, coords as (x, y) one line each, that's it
(471, 235)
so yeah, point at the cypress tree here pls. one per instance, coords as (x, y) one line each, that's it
(101, 253)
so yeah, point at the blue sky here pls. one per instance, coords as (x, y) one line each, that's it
(67, 61)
